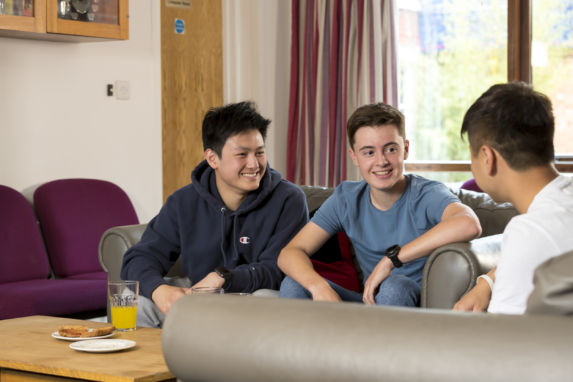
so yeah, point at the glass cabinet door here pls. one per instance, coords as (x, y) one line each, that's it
(64, 20)
(17, 7)
(23, 16)
(95, 18)
(98, 11)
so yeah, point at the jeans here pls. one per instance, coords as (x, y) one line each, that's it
(396, 290)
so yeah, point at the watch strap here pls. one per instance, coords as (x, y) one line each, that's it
(392, 253)
(225, 274)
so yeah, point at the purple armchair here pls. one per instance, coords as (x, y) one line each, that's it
(471, 185)
(73, 215)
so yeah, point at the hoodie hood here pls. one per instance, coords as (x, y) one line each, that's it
(203, 180)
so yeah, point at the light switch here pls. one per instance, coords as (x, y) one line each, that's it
(122, 90)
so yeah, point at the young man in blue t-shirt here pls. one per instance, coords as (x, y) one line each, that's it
(393, 220)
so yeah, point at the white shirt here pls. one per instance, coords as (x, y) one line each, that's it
(543, 232)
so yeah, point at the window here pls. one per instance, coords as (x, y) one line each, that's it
(451, 51)
(552, 64)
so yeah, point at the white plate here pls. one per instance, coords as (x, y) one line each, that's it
(56, 335)
(102, 346)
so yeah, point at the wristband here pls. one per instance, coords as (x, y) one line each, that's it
(488, 279)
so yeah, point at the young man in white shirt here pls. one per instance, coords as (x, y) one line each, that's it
(510, 130)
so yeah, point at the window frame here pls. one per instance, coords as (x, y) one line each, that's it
(519, 33)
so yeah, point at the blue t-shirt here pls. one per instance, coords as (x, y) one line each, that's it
(371, 231)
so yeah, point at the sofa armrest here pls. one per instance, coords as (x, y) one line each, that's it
(451, 270)
(235, 338)
(113, 245)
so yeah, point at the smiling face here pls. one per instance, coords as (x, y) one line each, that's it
(241, 166)
(379, 152)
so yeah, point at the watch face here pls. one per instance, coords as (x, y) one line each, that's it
(223, 272)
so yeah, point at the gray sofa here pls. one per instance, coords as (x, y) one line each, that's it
(235, 338)
(449, 273)
(238, 338)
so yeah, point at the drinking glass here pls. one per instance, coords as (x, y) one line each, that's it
(123, 303)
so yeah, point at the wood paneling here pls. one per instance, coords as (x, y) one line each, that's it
(192, 83)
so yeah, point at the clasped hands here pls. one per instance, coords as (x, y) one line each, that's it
(165, 295)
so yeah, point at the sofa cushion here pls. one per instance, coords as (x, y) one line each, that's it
(334, 262)
(51, 297)
(22, 252)
(88, 276)
(492, 216)
(553, 292)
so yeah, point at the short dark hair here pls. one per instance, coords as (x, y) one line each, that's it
(222, 122)
(516, 121)
(376, 114)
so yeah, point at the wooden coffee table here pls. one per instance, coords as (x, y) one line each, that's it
(29, 352)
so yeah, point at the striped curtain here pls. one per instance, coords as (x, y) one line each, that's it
(343, 55)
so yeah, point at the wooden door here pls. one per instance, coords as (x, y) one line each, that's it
(192, 82)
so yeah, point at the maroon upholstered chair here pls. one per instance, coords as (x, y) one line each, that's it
(471, 185)
(73, 215)
(25, 284)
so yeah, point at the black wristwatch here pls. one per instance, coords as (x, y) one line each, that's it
(225, 274)
(392, 253)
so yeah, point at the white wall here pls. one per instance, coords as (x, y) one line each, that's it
(256, 64)
(57, 122)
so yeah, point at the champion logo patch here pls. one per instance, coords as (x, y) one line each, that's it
(245, 240)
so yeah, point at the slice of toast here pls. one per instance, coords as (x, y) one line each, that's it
(83, 331)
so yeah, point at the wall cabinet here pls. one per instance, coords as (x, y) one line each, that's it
(65, 20)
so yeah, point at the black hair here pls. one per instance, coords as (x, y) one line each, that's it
(222, 122)
(516, 121)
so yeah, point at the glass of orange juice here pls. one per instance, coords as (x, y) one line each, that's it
(122, 297)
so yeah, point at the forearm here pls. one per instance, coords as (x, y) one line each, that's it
(296, 264)
(147, 272)
(253, 276)
(459, 228)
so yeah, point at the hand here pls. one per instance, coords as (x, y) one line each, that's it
(165, 295)
(325, 293)
(381, 271)
(212, 280)
(476, 300)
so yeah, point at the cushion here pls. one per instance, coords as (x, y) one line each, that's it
(334, 262)
(22, 252)
(52, 297)
(88, 276)
(471, 185)
(553, 291)
(492, 216)
(73, 215)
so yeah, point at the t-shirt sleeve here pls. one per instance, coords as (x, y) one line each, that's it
(429, 201)
(328, 215)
